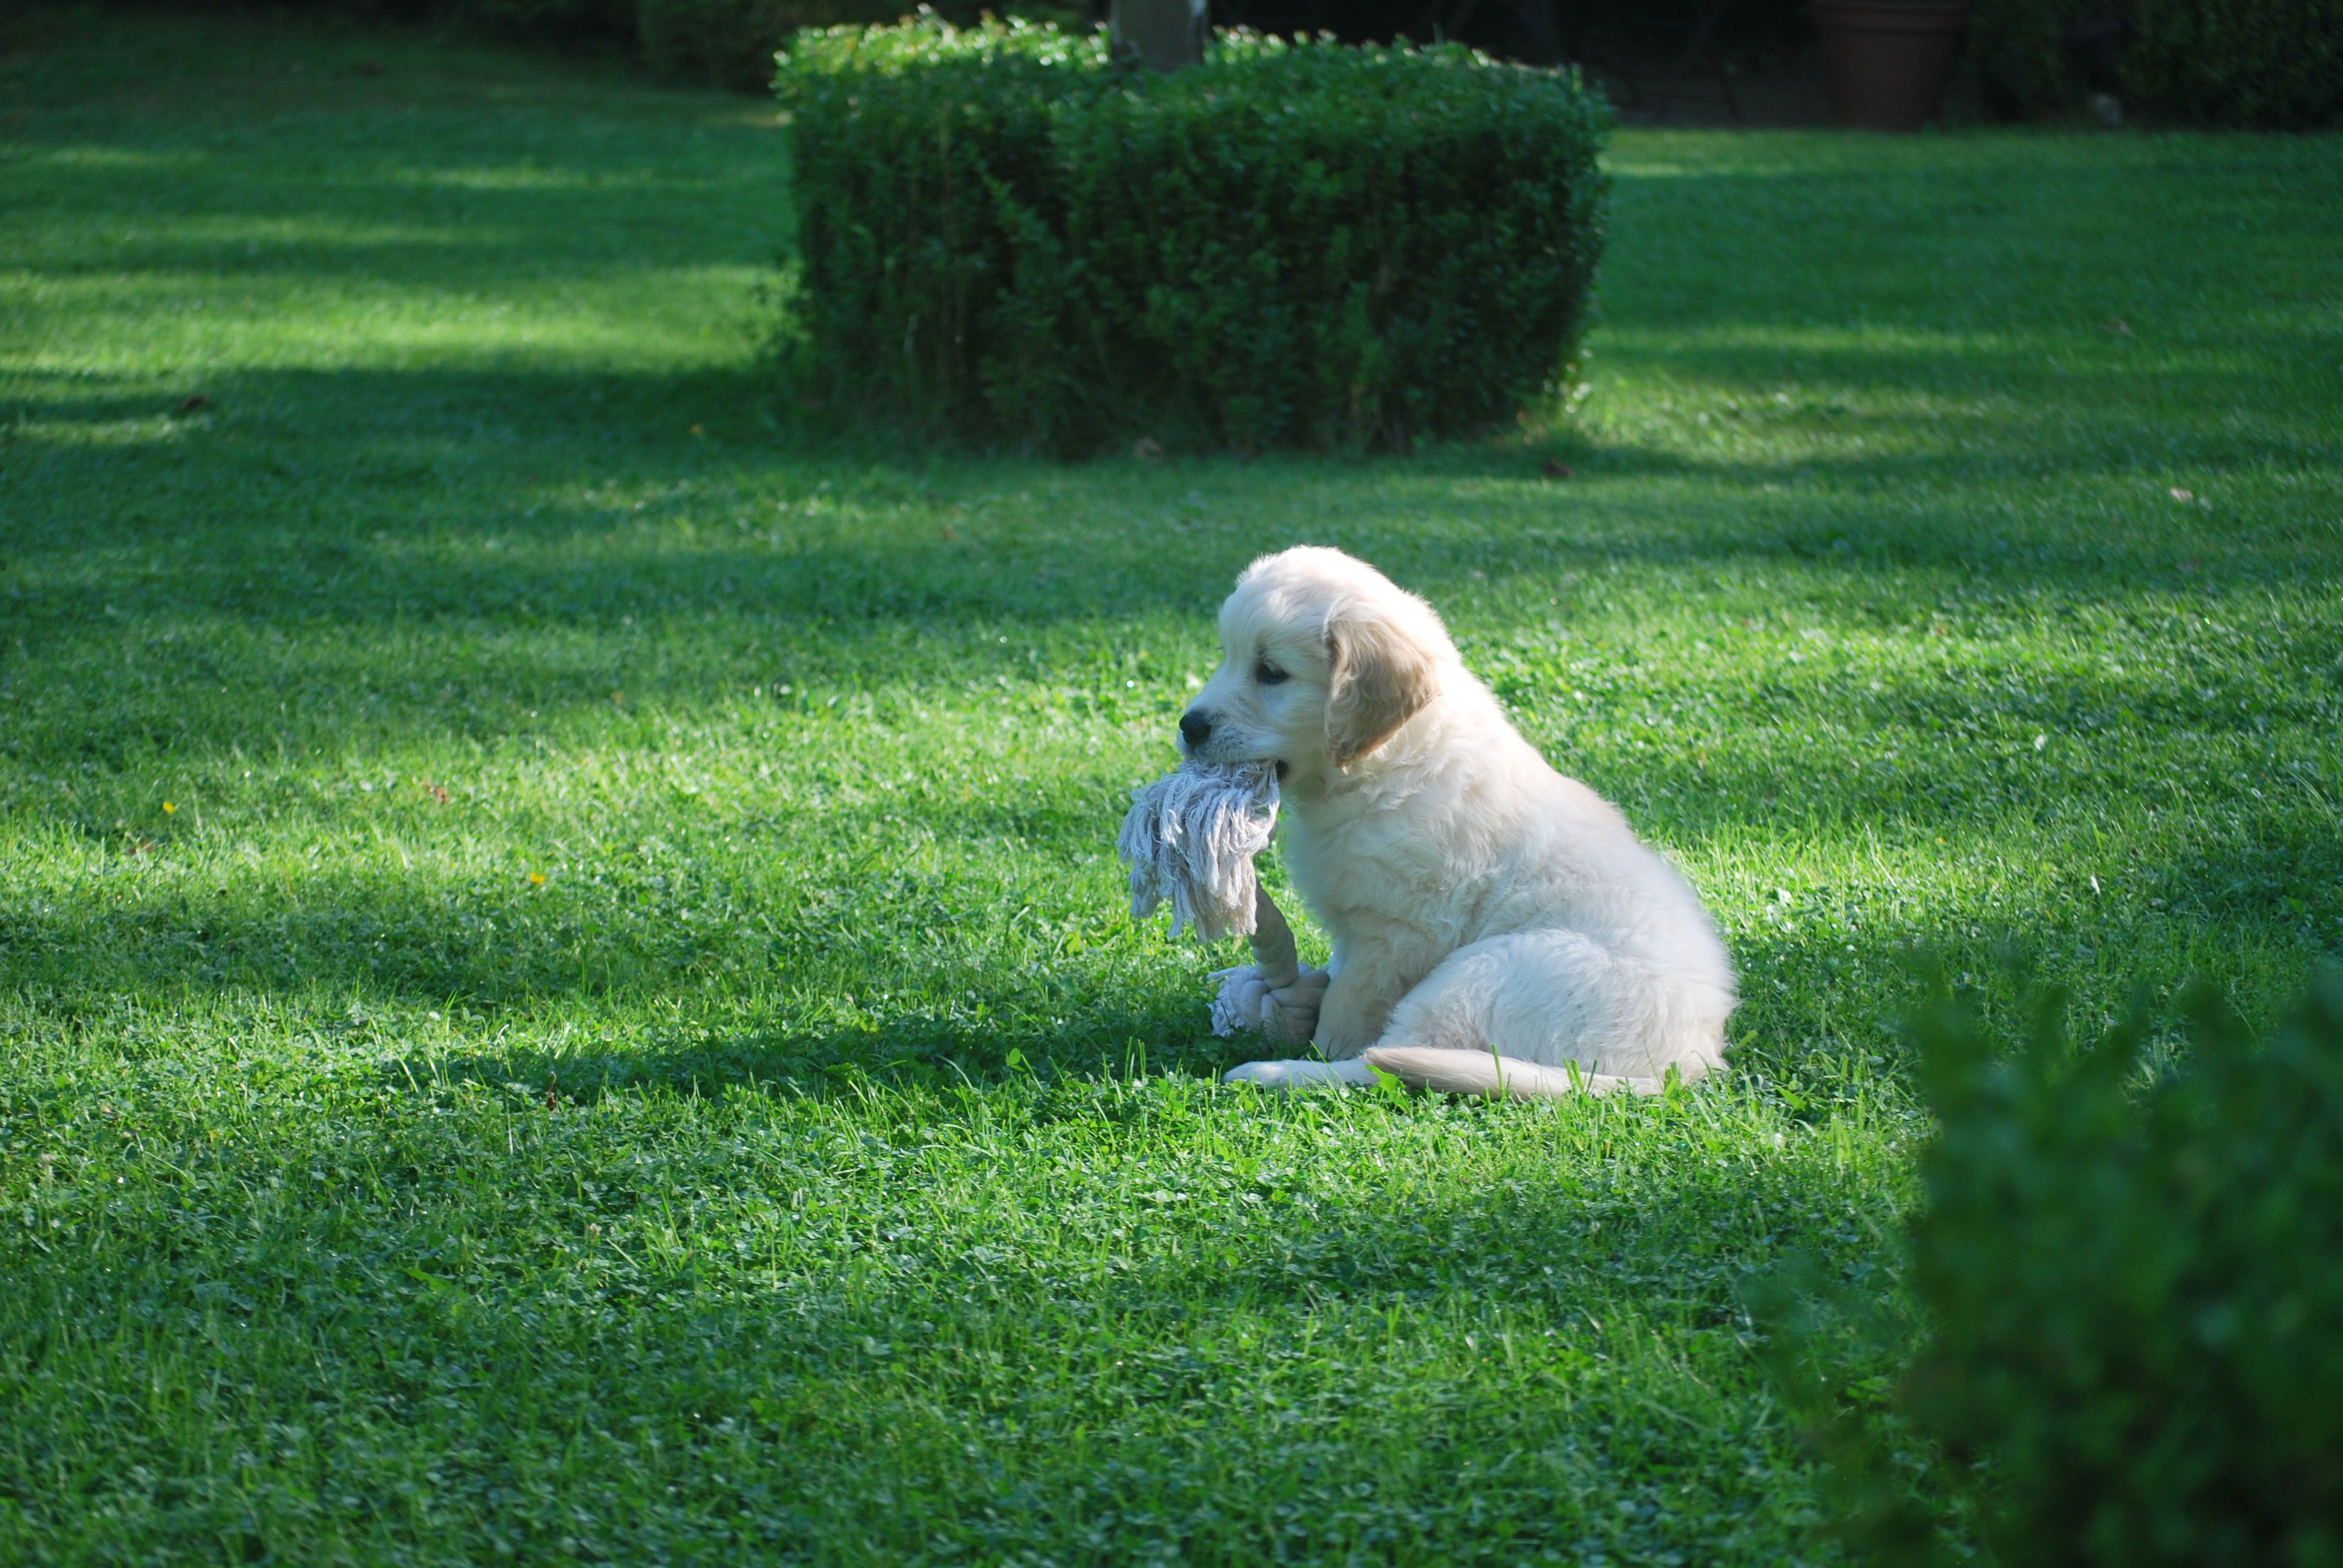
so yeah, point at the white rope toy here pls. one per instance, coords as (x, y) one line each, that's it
(1191, 837)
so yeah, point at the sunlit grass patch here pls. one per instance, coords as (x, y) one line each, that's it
(563, 985)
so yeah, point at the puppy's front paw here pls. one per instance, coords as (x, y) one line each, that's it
(1294, 1009)
(1282, 1075)
(1247, 1001)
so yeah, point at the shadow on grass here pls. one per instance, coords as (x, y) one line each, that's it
(714, 917)
(536, 1269)
(510, 430)
(909, 1051)
(553, 508)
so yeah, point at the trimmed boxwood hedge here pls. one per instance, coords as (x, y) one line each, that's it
(1008, 238)
(2276, 63)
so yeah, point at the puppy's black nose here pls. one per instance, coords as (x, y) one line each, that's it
(1195, 728)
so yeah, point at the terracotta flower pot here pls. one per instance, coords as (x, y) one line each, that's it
(1886, 61)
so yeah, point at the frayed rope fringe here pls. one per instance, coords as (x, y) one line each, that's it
(1191, 837)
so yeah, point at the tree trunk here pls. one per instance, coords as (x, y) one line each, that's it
(1160, 35)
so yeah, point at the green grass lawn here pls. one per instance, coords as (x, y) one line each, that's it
(564, 991)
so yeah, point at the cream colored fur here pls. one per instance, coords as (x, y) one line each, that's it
(1497, 928)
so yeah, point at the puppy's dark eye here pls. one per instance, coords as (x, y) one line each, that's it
(1267, 673)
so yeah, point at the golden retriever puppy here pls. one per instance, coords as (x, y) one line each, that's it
(1497, 928)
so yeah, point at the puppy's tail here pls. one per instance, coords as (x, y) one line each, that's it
(1494, 1077)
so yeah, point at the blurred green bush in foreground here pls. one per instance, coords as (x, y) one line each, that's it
(2133, 1299)
(1006, 238)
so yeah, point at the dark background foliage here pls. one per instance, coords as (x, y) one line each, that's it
(731, 43)
(1587, 32)
(2276, 63)
(2269, 64)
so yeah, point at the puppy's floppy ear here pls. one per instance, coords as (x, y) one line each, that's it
(1381, 675)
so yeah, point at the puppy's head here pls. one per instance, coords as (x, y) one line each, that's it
(1322, 660)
